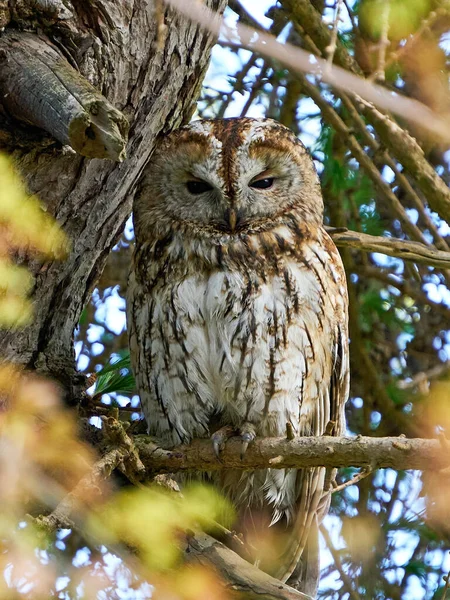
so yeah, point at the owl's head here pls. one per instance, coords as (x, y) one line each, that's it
(225, 177)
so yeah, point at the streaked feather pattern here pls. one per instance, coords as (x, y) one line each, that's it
(242, 321)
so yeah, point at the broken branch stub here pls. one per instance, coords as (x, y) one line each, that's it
(39, 87)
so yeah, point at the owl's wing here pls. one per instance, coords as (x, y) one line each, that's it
(300, 559)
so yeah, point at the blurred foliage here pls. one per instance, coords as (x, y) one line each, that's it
(123, 539)
(25, 230)
(403, 17)
(42, 460)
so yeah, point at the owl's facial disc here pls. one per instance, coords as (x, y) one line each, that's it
(235, 217)
(230, 176)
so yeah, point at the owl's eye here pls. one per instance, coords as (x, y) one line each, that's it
(198, 187)
(262, 184)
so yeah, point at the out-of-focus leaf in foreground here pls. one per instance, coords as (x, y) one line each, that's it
(24, 227)
(151, 520)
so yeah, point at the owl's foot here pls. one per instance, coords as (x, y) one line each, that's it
(220, 437)
(246, 432)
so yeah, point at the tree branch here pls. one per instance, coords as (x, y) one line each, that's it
(242, 578)
(279, 453)
(39, 87)
(406, 250)
(70, 505)
(299, 61)
(401, 143)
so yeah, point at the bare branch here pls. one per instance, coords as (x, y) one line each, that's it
(280, 453)
(348, 583)
(354, 480)
(402, 145)
(406, 250)
(422, 379)
(331, 48)
(447, 585)
(70, 507)
(361, 156)
(245, 580)
(300, 61)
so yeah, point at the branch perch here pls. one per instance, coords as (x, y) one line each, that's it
(39, 87)
(280, 453)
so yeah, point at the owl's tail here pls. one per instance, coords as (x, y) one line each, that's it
(300, 560)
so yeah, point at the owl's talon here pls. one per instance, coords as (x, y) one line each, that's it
(247, 435)
(216, 447)
(244, 447)
(220, 437)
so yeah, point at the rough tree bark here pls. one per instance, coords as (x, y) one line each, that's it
(144, 61)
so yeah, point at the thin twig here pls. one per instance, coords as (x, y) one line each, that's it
(401, 178)
(364, 160)
(348, 584)
(379, 74)
(422, 379)
(403, 146)
(331, 48)
(447, 585)
(88, 487)
(354, 480)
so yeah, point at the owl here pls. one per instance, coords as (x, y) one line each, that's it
(237, 319)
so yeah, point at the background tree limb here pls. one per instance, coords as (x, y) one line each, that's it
(404, 249)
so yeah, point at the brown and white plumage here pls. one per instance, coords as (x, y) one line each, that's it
(237, 308)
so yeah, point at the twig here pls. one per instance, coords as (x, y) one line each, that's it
(422, 379)
(422, 165)
(383, 43)
(338, 563)
(131, 465)
(361, 475)
(290, 435)
(350, 15)
(402, 145)
(404, 286)
(447, 585)
(358, 152)
(243, 14)
(409, 45)
(331, 48)
(257, 85)
(401, 178)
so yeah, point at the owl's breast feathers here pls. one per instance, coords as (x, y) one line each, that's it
(253, 329)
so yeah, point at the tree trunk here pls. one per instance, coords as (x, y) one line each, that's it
(148, 63)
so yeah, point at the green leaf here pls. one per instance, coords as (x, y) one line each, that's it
(116, 377)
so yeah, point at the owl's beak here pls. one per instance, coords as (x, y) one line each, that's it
(232, 219)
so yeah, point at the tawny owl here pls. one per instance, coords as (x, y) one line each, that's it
(237, 314)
